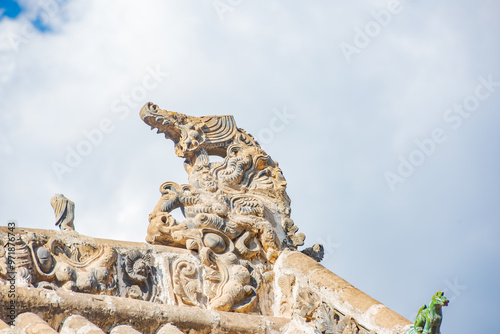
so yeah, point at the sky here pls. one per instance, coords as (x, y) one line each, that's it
(382, 115)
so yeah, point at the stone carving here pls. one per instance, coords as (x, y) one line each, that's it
(4, 268)
(286, 283)
(293, 240)
(64, 210)
(22, 261)
(237, 212)
(306, 303)
(428, 320)
(50, 263)
(330, 321)
(309, 306)
(316, 252)
(187, 283)
(137, 268)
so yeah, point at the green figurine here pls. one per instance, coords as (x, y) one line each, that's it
(428, 320)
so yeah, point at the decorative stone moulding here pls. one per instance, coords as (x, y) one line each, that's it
(147, 286)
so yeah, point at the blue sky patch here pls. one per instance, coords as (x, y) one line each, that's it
(9, 8)
(40, 23)
(12, 9)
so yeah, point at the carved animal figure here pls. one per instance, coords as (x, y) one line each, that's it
(233, 210)
(428, 320)
(64, 210)
(234, 195)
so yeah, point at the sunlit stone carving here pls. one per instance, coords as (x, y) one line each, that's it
(237, 212)
(64, 210)
(51, 263)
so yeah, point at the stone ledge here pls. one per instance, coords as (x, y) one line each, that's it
(107, 312)
(342, 295)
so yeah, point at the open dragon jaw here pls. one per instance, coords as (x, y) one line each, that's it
(231, 266)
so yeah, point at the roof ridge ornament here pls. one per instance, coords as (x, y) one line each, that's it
(237, 211)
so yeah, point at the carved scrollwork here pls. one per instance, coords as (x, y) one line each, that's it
(310, 306)
(187, 283)
(137, 268)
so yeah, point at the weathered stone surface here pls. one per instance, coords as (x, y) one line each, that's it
(76, 324)
(168, 329)
(107, 312)
(386, 318)
(124, 329)
(64, 209)
(321, 297)
(50, 262)
(31, 323)
(301, 288)
(237, 212)
(70, 261)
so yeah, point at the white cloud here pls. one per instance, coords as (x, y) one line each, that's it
(353, 119)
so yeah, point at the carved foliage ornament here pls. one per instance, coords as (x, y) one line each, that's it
(309, 306)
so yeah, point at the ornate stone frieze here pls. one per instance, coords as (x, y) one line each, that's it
(49, 262)
(215, 278)
(138, 273)
(69, 261)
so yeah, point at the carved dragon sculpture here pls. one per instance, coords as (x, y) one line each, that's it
(237, 210)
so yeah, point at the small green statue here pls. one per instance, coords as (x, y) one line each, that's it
(428, 320)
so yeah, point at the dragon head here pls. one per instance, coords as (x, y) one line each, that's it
(189, 133)
(186, 134)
